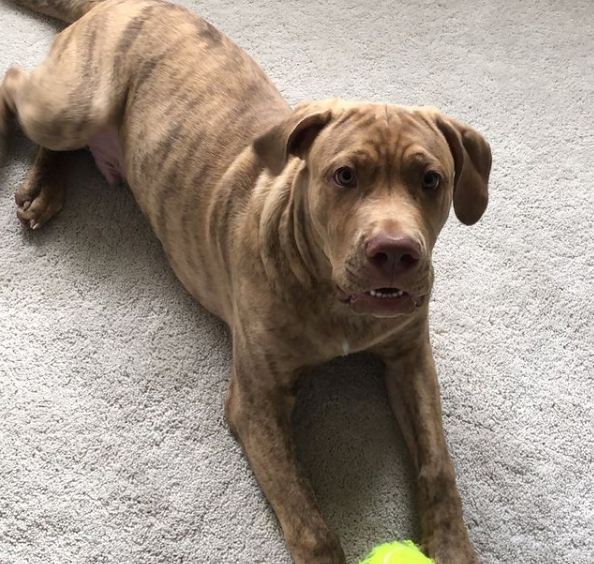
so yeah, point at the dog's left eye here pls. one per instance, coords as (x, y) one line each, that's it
(431, 180)
(345, 176)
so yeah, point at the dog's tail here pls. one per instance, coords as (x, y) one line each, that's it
(65, 10)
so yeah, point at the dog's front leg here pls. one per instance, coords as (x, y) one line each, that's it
(413, 391)
(258, 410)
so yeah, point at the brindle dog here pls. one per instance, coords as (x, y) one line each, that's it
(308, 230)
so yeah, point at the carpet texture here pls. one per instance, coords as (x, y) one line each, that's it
(113, 443)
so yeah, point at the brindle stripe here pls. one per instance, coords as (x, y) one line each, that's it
(165, 196)
(171, 184)
(173, 135)
(205, 29)
(168, 189)
(91, 74)
(141, 79)
(170, 6)
(131, 32)
(81, 95)
(198, 185)
(226, 220)
(63, 42)
(146, 70)
(89, 56)
(210, 33)
(97, 54)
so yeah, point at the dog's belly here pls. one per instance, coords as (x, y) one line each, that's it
(107, 152)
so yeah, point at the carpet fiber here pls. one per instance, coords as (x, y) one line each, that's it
(112, 439)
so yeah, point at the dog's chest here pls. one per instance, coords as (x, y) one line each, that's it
(348, 337)
(348, 344)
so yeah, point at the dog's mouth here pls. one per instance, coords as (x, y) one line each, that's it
(382, 302)
(387, 293)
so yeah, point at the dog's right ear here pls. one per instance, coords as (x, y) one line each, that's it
(292, 136)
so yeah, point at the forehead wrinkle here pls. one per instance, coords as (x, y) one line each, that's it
(402, 153)
(417, 136)
(393, 135)
(353, 127)
(420, 155)
(359, 154)
(360, 117)
(428, 146)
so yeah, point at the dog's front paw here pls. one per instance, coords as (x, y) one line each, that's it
(451, 552)
(321, 547)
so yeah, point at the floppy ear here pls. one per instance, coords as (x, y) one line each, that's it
(472, 160)
(292, 136)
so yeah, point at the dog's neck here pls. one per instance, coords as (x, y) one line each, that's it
(290, 246)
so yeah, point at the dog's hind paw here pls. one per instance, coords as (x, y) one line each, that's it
(36, 205)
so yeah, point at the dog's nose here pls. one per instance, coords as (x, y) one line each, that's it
(393, 254)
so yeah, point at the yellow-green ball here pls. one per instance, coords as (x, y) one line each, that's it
(406, 552)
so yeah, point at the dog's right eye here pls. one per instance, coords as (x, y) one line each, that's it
(345, 177)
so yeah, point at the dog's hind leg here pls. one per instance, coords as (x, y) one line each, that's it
(54, 105)
(63, 105)
(48, 121)
(42, 194)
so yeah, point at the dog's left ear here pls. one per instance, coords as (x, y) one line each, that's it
(292, 136)
(472, 161)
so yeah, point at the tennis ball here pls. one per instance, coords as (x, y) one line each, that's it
(406, 552)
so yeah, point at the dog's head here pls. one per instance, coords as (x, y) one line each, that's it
(380, 181)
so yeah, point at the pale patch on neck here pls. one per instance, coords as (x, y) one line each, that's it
(346, 348)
